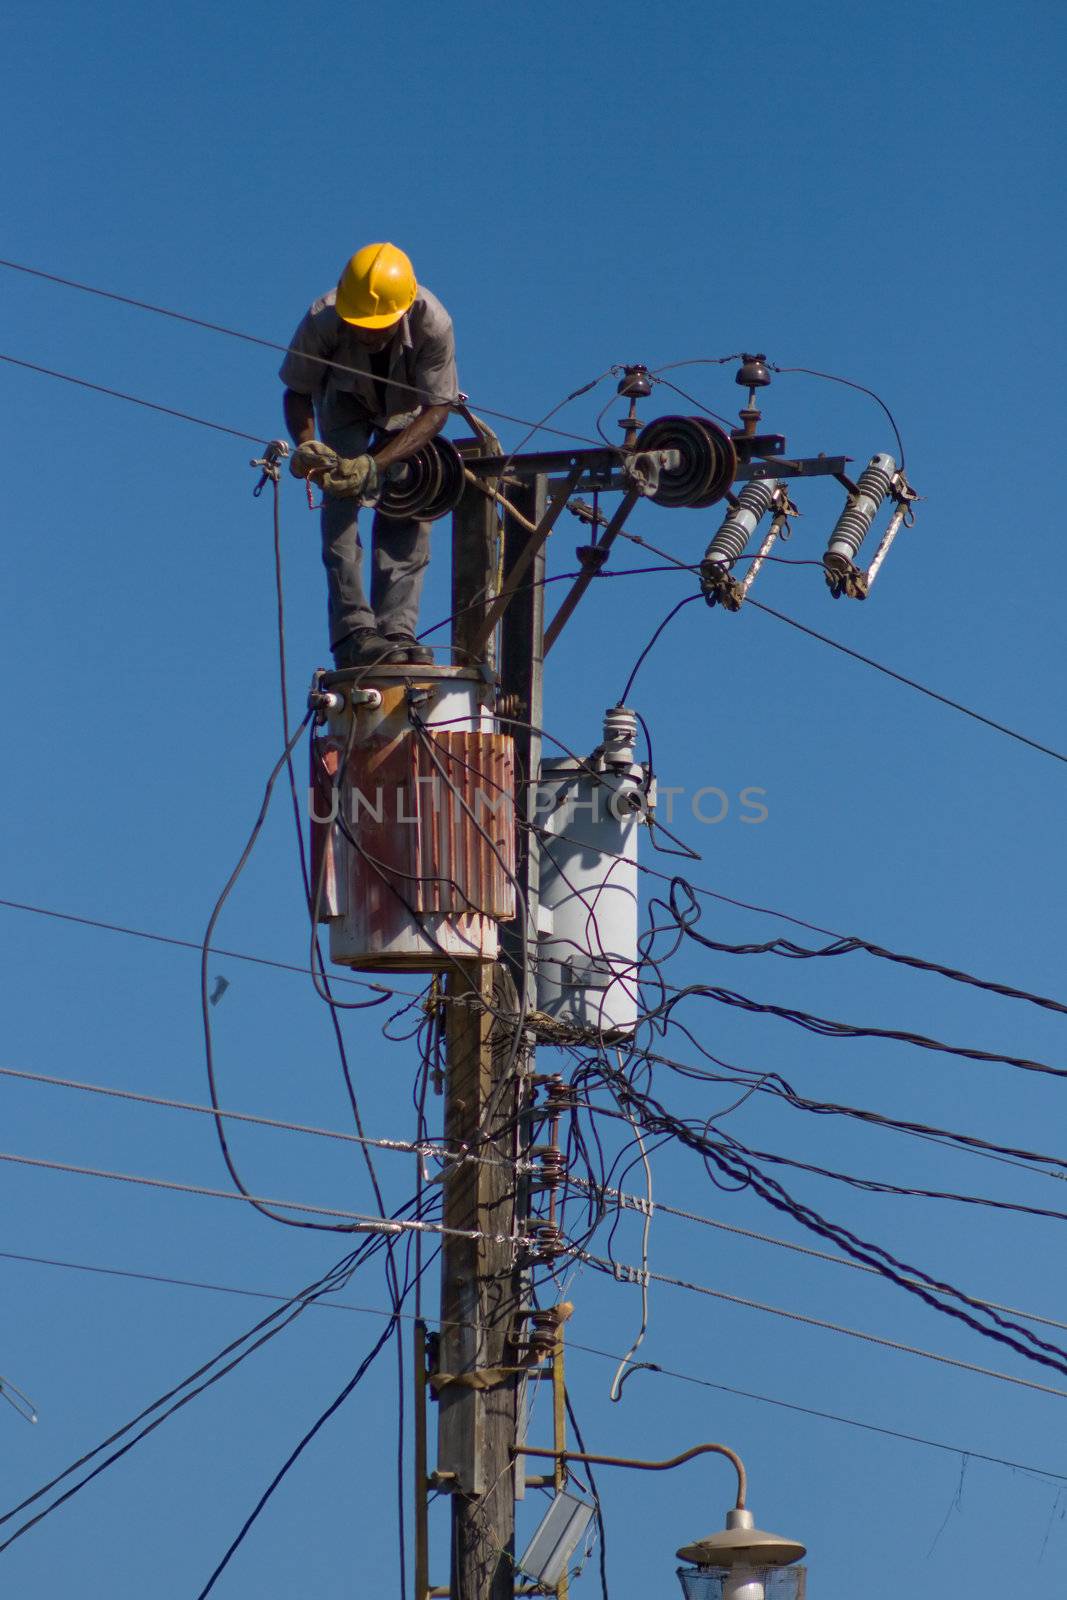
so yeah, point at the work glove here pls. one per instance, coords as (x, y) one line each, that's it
(352, 478)
(312, 459)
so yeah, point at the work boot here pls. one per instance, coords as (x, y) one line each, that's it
(408, 649)
(365, 647)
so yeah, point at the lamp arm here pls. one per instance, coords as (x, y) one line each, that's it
(563, 1456)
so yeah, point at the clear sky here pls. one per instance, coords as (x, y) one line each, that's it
(870, 191)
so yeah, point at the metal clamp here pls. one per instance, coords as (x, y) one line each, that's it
(641, 469)
(542, 1241)
(275, 452)
(624, 1273)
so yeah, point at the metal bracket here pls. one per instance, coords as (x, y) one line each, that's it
(274, 453)
(795, 467)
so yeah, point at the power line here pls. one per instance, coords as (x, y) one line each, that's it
(251, 338)
(190, 1283)
(734, 1163)
(857, 655)
(605, 1355)
(360, 1222)
(911, 683)
(633, 1274)
(180, 1395)
(828, 1416)
(133, 399)
(638, 1204)
(831, 1028)
(849, 383)
(402, 1146)
(195, 944)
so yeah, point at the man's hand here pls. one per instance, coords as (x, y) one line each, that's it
(312, 460)
(352, 478)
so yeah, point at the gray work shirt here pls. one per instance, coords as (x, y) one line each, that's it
(422, 357)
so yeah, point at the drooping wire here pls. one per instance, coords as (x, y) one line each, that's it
(910, 683)
(672, 613)
(133, 399)
(832, 377)
(267, 344)
(217, 1367)
(294, 1455)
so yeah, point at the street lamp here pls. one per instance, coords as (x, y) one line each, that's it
(742, 1562)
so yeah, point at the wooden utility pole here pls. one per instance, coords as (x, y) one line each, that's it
(481, 1285)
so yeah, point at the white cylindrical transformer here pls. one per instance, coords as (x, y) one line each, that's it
(587, 935)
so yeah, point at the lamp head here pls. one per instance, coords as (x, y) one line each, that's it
(742, 1562)
(742, 1544)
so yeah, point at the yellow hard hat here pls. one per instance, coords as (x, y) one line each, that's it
(377, 287)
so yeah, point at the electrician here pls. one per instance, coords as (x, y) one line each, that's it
(374, 364)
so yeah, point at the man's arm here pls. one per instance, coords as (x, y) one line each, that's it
(299, 414)
(419, 431)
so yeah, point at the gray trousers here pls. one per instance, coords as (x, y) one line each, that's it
(400, 552)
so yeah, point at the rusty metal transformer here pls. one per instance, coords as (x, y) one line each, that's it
(412, 820)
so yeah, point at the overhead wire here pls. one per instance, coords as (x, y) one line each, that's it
(832, 377)
(636, 1204)
(765, 1081)
(737, 1166)
(612, 1268)
(911, 683)
(856, 655)
(357, 1221)
(321, 982)
(829, 1028)
(672, 613)
(267, 344)
(133, 399)
(327, 1304)
(829, 1416)
(193, 944)
(298, 1450)
(425, 1147)
(189, 1388)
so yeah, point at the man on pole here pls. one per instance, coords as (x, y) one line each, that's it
(373, 365)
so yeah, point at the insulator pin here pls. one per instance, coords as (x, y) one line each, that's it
(559, 1096)
(543, 1335)
(853, 525)
(741, 522)
(552, 1167)
(543, 1241)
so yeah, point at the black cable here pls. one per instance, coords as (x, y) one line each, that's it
(773, 1083)
(205, 1007)
(392, 1281)
(733, 1163)
(693, 401)
(932, 694)
(879, 1186)
(556, 577)
(296, 1452)
(832, 377)
(688, 600)
(843, 945)
(281, 1316)
(117, 394)
(829, 1028)
(267, 344)
(187, 944)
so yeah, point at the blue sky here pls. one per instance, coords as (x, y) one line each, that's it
(867, 192)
